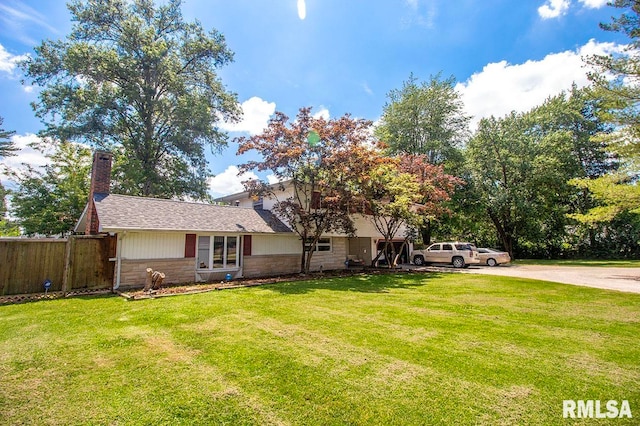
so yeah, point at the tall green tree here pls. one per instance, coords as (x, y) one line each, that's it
(617, 79)
(426, 118)
(522, 163)
(577, 112)
(521, 178)
(7, 147)
(50, 201)
(136, 77)
(8, 228)
(617, 82)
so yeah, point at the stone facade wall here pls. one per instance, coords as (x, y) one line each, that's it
(333, 259)
(270, 265)
(280, 264)
(134, 272)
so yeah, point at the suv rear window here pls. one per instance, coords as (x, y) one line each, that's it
(469, 247)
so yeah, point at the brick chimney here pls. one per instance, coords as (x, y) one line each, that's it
(100, 185)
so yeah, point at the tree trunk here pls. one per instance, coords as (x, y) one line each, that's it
(391, 263)
(405, 243)
(504, 232)
(425, 232)
(303, 259)
(307, 265)
(384, 250)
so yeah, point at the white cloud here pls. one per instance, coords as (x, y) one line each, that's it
(594, 4)
(19, 20)
(323, 113)
(302, 10)
(554, 8)
(256, 114)
(8, 62)
(272, 179)
(502, 87)
(229, 181)
(25, 155)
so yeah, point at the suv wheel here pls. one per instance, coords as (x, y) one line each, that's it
(418, 260)
(457, 262)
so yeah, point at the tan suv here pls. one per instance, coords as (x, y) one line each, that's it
(460, 255)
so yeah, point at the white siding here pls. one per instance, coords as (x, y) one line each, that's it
(365, 228)
(153, 245)
(243, 202)
(275, 244)
(269, 202)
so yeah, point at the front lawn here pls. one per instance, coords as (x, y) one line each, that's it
(402, 349)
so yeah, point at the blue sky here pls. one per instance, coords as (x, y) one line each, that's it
(345, 56)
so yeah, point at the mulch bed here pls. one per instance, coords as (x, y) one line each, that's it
(193, 288)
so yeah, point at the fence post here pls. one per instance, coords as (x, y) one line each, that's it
(67, 277)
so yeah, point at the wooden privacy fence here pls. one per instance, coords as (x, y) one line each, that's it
(70, 264)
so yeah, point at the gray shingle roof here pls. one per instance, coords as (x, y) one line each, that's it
(125, 212)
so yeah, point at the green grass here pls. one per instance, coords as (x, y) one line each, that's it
(387, 349)
(578, 262)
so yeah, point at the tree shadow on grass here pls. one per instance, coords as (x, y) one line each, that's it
(372, 282)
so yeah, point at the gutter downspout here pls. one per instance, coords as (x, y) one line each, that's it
(120, 238)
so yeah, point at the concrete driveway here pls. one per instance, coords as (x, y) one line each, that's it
(621, 279)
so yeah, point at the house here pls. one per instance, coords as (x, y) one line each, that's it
(191, 241)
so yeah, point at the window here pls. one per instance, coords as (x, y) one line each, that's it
(447, 247)
(203, 252)
(323, 244)
(465, 246)
(434, 247)
(217, 252)
(232, 244)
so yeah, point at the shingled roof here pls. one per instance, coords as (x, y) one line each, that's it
(121, 212)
